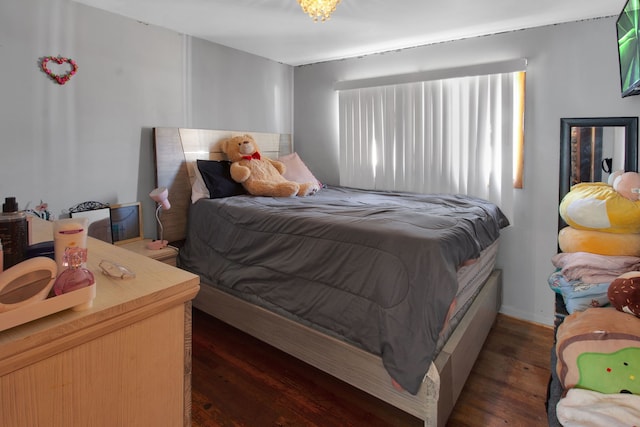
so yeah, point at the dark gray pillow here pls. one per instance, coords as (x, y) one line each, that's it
(217, 177)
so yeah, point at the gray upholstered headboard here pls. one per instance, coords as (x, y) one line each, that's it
(176, 152)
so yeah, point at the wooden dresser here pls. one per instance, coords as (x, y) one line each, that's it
(124, 362)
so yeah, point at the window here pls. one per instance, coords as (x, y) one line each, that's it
(450, 135)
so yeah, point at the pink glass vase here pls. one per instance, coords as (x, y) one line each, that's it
(75, 276)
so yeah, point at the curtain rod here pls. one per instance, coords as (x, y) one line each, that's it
(508, 66)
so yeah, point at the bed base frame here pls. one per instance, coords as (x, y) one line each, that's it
(176, 150)
(441, 386)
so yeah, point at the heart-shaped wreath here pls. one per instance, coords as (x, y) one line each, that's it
(59, 78)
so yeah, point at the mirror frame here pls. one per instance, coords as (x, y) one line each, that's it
(630, 125)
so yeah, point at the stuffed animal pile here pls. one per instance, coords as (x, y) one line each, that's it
(600, 244)
(259, 175)
(598, 348)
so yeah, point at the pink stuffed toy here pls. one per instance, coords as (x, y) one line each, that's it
(628, 185)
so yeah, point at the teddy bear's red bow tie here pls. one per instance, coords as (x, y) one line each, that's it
(255, 155)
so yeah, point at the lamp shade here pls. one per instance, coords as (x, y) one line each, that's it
(161, 196)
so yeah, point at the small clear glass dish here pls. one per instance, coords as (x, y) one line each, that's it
(115, 270)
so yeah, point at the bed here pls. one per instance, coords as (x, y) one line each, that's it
(239, 287)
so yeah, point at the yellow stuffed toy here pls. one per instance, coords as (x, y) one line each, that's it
(599, 242)
(260, 176)
(597, 206)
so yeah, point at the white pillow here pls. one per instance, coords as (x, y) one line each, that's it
(199, 189)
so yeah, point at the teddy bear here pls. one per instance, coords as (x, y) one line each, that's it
(260, 176)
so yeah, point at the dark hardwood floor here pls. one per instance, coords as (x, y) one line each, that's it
(240, 381)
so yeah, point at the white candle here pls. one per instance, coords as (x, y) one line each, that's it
(68, 233)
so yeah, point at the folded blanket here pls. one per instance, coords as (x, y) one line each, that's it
(586, 408)
(593, 268)
(577, 295)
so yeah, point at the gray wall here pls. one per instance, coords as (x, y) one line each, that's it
(572, 72)
(91, 139)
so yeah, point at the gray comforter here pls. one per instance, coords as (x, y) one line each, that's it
(376, 269)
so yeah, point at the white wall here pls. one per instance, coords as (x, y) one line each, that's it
(91, 139)
(572, 72)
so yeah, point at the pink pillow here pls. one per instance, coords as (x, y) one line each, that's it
(296, 170)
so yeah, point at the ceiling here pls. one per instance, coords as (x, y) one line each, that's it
(280, 31)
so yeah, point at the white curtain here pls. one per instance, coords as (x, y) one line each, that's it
(441, 136)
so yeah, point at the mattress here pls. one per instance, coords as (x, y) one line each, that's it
(377, 269)
(470, 278)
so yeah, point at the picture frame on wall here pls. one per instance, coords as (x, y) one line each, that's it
(126, 223)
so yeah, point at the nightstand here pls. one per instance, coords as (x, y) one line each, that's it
(167, 255)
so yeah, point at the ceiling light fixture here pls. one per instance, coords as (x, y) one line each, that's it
(319, 9)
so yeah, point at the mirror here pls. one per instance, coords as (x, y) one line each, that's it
(593, 148)
(99, 222)
(126, 223)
